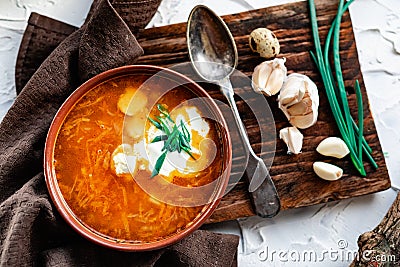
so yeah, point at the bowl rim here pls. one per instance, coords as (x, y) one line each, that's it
(51, 180)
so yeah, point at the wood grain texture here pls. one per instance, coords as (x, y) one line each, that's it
(294, 178)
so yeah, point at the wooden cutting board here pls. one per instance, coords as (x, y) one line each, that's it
(294, 178)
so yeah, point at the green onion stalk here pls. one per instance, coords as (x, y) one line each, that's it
(352, 134)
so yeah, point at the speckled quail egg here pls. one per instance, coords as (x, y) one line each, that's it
(264, 42)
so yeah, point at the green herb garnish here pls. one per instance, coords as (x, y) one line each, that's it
(351, 133)
(175, 137)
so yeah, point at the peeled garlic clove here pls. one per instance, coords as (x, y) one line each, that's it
(268, 77)
(264, 42)
(327, 171)
(333, 147)
(293, 138)
(299, 100)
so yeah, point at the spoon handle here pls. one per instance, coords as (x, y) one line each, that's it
(227, 90)
(263, 193)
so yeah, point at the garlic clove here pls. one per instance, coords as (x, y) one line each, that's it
(294, 90)
(299, 100)
(302, 108)
(303, 121)
(333, 147)
(261, 74)
(293, 139)
(291, 95)
(269, 76)
(275, 81)
(327, 171)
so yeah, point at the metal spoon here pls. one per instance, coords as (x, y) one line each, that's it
(214, 56)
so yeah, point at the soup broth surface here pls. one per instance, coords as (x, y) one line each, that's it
(97, 160)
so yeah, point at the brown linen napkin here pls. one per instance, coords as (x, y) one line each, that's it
(31, 231)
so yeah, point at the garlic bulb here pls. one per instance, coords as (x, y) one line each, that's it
(327, 171)
(299, 100)
(268, 77)
(264, 42)
(334, 147)
(293, 139)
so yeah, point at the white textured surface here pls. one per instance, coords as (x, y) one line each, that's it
(318, 228)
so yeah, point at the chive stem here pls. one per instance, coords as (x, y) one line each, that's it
(176, 137)
(339, 74)
(337, 96)
(365, 144)
(360, 117)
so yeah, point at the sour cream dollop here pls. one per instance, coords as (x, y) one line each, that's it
(146, 153)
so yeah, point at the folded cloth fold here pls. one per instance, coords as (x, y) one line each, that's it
(54, 59)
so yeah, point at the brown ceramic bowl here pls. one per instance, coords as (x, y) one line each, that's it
(61, 204)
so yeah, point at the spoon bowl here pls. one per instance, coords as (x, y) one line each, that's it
(210, 45)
